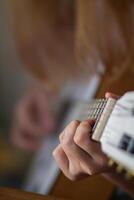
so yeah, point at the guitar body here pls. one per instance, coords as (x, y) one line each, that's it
(15, 194)
(95, 187)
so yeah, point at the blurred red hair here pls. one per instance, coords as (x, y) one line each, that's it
(59, 38)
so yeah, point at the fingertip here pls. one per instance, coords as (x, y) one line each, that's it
(89, 122)
(84, 128)
(112, 95)
(107, 95)
(56, 151)
(74, 123)
(61, 136)
(60, 157)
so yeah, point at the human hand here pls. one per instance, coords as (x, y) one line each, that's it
(33, 118)
(77, 155)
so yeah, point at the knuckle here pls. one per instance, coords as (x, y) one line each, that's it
(79, 138)
(61, 136)
(78, 175)
(75, 173)
(87, 125)
(91, 170)
(57, 152)
(103, 160)
(82, 136)
(54, 154)
(74, 123)
(73, 177)
(84, 128)
(66, 142)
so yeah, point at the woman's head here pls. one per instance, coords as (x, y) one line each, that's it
(44, 31)
(60, 38)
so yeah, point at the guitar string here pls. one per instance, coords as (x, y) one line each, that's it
(95, 110)
(104, 102)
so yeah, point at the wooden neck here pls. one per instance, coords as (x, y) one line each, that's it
(99, 110)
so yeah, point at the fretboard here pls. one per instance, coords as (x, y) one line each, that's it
(100, 110)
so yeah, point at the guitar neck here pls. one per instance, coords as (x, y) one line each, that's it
(114, 128)
(100, 110)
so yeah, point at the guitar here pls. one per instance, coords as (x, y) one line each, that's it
(44, 176)
(114, 129)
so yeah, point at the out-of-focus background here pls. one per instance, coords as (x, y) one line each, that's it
(13, 79)
(13, 84)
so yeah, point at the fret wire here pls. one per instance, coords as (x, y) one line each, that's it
(98, 106)
(95, 113)
(99, 115)
(90, 107)
(94, 109)
(99, 110)
(101, 105)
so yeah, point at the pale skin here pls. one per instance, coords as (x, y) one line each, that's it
(78, 156)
